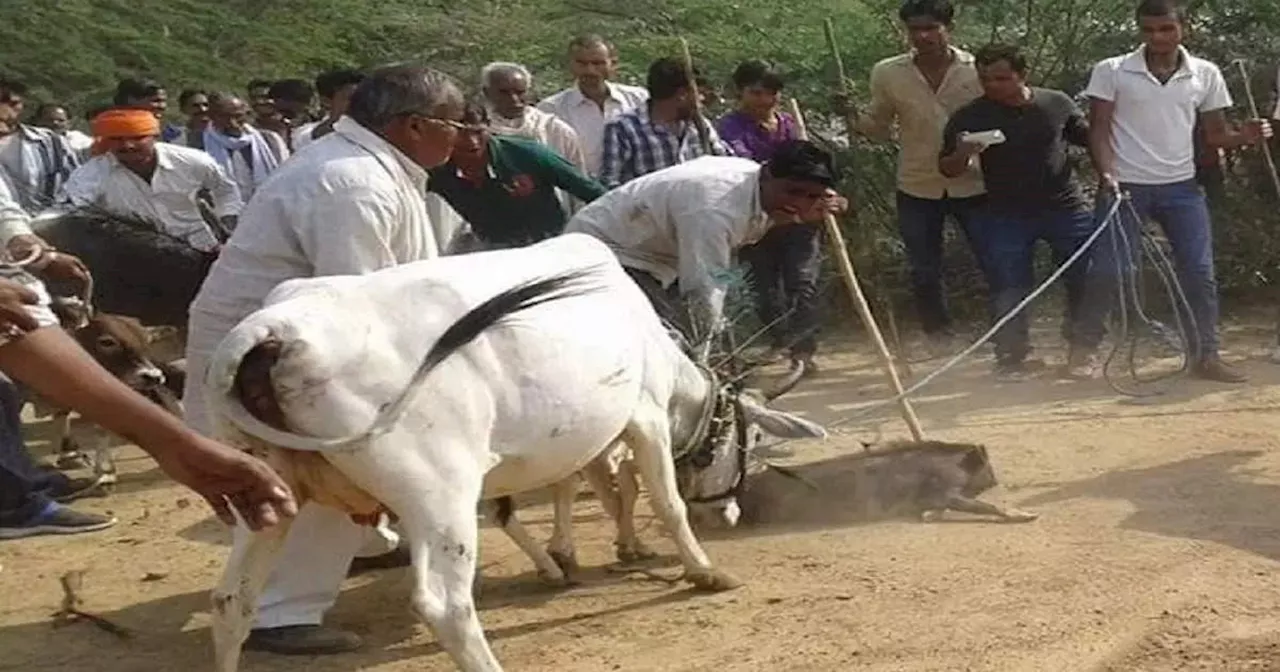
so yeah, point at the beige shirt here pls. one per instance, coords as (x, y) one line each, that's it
(900, 93)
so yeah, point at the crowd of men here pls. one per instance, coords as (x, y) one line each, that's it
(399, 166)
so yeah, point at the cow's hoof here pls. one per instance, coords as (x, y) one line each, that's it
(637, 553)
(567, 562)
(713, 581)
(556, 580)
(1020, 516)
(73, 460)
(931, 516)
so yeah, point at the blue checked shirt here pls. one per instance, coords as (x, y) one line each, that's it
(635, 146)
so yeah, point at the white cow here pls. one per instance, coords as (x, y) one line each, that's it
(429, 387)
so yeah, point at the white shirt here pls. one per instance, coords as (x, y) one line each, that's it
(682, 223)
(169, 199)
(1152, 132)
(588, 120)
(352, 204)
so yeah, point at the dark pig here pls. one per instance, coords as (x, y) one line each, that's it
(920, 479)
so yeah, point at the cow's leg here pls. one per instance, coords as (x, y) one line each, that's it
(70, 455)
(235, 599)
(502, 512)
(438, 516)
(560, 547)
(104, 463)
(632, 549)
(649, 436)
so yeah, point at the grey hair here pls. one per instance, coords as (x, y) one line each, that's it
(501, 68)
(396, 90)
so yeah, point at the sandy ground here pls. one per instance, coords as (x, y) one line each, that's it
(1156, 551)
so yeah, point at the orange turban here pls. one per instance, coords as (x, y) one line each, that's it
(125, 123)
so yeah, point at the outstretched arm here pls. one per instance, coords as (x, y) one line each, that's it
(50, 362)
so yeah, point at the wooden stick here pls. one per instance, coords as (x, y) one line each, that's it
(860, 301)
(704, 138)
(1253, 110)
(830, 30)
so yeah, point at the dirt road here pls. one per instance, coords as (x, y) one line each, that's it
(1156, 551)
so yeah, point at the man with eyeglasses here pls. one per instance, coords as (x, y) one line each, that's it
(349, 205)
(505, 187)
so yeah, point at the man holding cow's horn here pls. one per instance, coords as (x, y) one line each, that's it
(676, 230)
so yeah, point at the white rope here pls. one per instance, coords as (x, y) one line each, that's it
(1107, 221)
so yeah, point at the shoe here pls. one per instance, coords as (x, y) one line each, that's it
(57, 519)
(810, 366)
(1081, 365)
(77, 488)
(940, 343)
(1213, 368)
(393, 560)
(1012, 371)
(302, 640)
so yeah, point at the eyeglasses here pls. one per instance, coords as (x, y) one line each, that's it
(456, 125)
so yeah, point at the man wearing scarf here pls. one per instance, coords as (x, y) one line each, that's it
(137, 175)
(249, 155)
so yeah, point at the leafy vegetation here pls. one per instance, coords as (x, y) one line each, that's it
(74, 50)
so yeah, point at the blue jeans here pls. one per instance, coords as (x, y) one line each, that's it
(1008, 241)
(24, 487)
(921, 221)
(1182, 212)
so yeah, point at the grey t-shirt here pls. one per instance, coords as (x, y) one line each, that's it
(1030, 172)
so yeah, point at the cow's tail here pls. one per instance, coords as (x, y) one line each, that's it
(244, 395)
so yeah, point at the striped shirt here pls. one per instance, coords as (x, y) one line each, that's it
(634, 146)
(38, 162)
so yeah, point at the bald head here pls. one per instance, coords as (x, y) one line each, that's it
(228, 114)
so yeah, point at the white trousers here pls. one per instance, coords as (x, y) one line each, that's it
(322, 541)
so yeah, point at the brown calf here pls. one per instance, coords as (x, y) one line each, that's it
(121, 346)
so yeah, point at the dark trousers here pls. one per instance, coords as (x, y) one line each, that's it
(921, 222)
(784, 267)
(666, 301)
(1183, 214)
(24, 487)
(1008, 242)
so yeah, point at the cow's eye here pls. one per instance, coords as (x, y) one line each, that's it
(108, 343)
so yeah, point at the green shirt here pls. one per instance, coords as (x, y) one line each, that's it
(516, 204)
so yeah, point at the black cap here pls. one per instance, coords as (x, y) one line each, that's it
(803, 160)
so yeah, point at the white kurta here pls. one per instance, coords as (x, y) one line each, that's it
(168, 199)
(351, 204)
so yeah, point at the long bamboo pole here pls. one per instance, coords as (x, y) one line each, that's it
(860, 300)
(1253, 111)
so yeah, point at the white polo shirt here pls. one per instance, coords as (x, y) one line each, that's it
(1153, 126)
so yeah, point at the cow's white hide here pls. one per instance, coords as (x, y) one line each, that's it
(526, 404)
